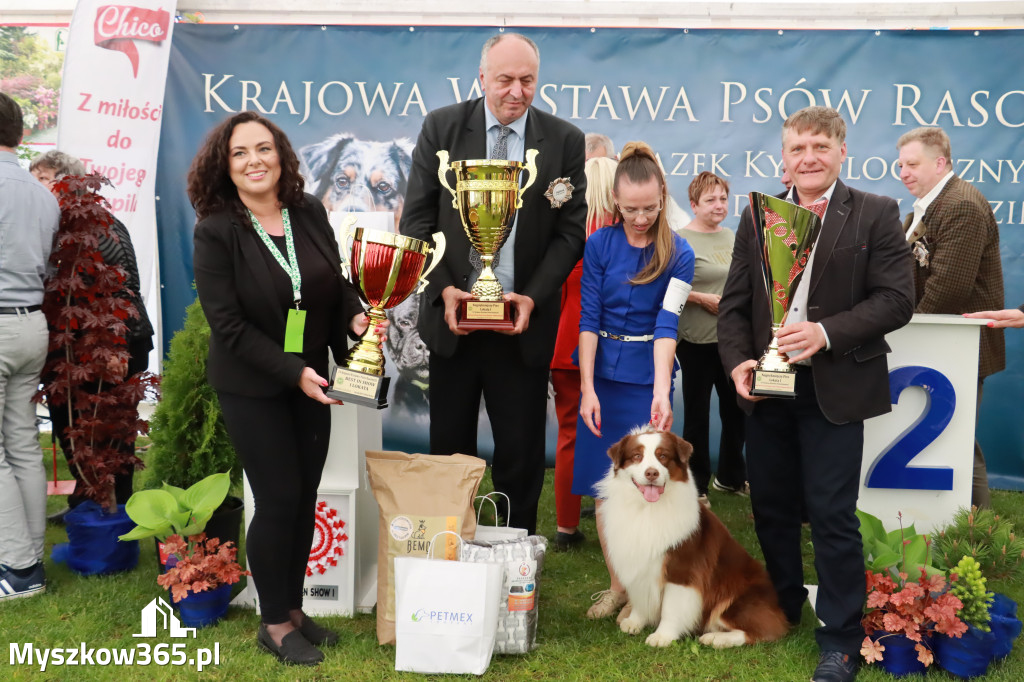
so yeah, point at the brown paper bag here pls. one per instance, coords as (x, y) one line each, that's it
(418, 496)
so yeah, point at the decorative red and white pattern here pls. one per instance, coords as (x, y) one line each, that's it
(329, 540)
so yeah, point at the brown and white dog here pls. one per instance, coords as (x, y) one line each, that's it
(684, 573)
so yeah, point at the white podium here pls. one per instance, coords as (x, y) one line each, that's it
(919, 458)
(341, 576)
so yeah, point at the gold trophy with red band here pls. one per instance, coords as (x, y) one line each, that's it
(386, 268)
(785, 234)
(487, 196)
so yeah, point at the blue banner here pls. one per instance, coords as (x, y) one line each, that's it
(704, 99)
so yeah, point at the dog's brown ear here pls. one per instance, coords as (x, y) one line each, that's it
(615, 452)
(683, 448)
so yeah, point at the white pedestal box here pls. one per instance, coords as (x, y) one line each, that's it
(919, 458)
(341, 576)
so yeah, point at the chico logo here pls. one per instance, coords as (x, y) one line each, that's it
(117, 27)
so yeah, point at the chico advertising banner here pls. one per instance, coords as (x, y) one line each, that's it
(704, 99)
(111, 108)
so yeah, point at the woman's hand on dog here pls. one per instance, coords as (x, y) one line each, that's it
(590, 410)
(661, 412)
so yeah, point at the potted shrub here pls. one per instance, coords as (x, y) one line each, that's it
(969, 655)
(990, 540)
(200, 570)
(86, 312)
(189, 440)
(903, 614)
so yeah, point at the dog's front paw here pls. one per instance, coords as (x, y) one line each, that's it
(658, 638)
(724, 640)
(631, 625)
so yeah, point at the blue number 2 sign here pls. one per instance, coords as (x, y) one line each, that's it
(891, 468)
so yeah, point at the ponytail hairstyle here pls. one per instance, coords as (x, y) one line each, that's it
(638, 164)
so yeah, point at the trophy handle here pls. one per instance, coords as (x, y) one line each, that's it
(531, 168)
(438, 254)
(345, 230)
(442, 172)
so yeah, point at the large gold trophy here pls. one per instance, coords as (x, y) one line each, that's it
(785, 234)
(487, 196)
(386, 268)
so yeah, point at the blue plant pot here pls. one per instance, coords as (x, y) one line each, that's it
(967, 656)
(93, 547)
(1005, 625)
(900, 657)
(200, 609)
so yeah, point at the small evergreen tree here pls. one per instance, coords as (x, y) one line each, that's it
(190, 441)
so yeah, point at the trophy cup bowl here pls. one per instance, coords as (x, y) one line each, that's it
(487, 195)
(386, 268)
(785, 234)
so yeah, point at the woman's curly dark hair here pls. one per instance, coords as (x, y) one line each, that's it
(210, 188)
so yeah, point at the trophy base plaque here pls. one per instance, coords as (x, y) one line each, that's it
(359, 388)
(774, 383)
(493, 315)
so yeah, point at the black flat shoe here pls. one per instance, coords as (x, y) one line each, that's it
(295, 649)
(566, 541)
(316, 633)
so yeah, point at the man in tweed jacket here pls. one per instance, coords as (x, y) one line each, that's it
(955, 241)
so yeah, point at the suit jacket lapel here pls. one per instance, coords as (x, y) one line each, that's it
(836, 215)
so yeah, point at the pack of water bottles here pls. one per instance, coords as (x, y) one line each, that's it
(523, 559)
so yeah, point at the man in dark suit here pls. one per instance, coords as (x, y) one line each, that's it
(806, 452)
(955, 240)
(509, 370)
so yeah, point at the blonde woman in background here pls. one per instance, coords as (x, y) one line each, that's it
(565, 374)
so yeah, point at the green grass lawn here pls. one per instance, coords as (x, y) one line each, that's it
(104, 612)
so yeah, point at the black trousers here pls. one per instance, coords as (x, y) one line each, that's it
(515, 397)
(702, 371)
(796, 456)
(138, 361)
(282, 444)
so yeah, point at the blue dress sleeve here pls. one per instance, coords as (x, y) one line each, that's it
(590, 283)
(667, 323)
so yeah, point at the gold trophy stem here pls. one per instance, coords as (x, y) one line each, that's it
(773, 360)
(367, 356)
(487, 287)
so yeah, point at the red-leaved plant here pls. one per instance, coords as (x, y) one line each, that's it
(915, 609)
(201, 564)
(86, 309)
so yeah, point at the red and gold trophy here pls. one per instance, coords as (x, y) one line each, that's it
(785, 234)
(386, 268)
(487, 196)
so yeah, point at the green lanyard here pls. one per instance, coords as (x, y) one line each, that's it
(291, 266)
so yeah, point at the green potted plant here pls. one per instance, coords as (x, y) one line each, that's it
(200, 570)
(189, 439)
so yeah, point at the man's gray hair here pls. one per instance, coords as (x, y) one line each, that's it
(932, 137)
(595, 141)
(497, 38)
(60, 163)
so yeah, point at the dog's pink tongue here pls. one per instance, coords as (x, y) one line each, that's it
(651, 492)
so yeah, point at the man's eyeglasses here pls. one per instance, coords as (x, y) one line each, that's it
(630, 212)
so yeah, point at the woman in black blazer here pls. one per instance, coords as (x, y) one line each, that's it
(269, 278)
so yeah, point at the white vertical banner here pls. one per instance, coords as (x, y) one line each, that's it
(111, 106)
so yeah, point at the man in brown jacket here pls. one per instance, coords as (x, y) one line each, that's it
(955, 240)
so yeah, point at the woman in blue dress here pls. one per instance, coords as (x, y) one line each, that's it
(636, 277)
